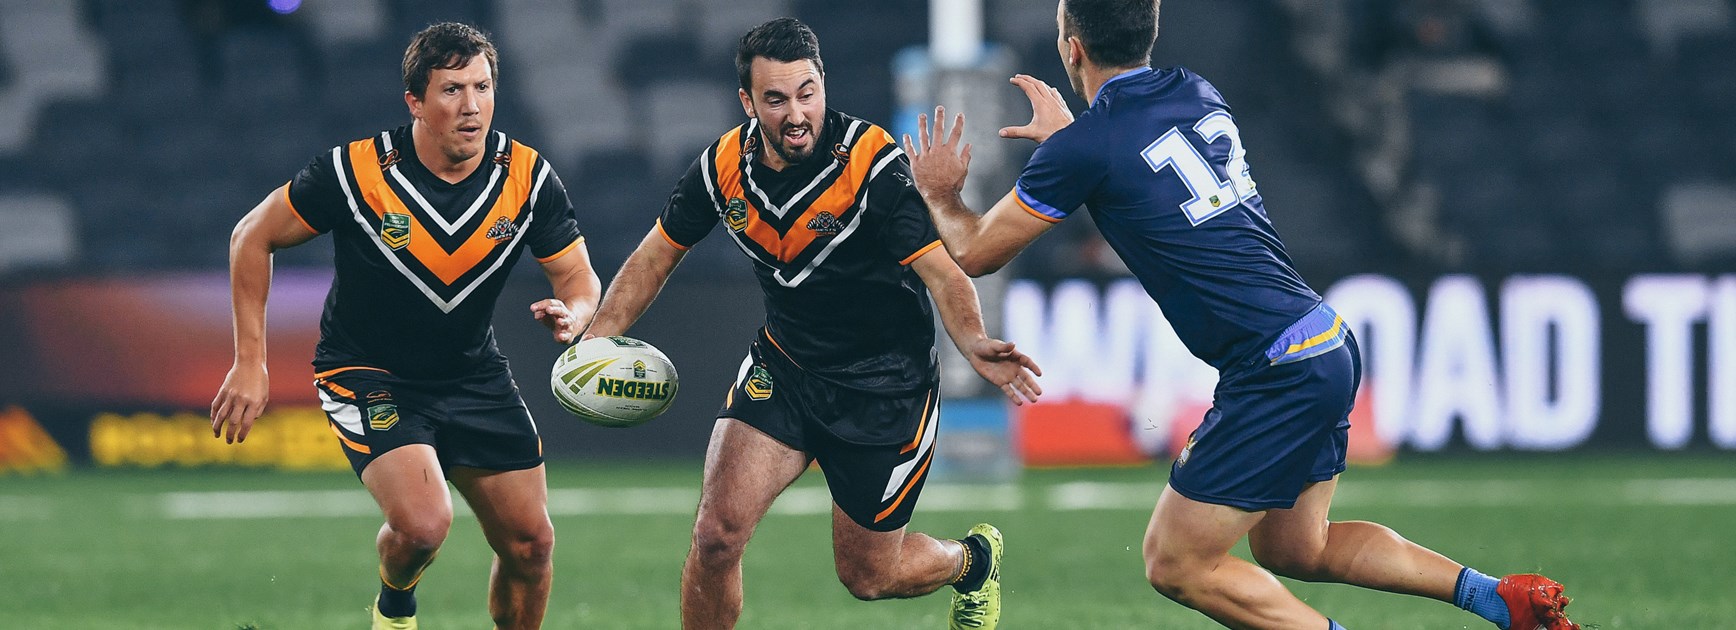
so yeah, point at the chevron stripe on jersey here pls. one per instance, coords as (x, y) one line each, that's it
(791, 237)
(448, 264)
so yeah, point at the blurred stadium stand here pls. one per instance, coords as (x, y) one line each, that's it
(1440, 134)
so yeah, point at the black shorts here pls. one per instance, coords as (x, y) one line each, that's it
(477, 421)
(876, 485)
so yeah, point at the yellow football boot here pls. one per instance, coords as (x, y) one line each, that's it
(981, 609)
(382, 622)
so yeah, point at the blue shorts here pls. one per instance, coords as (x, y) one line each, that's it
(1278, 424)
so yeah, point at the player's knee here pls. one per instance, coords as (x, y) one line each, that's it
(531, 550)
(423, 534)
(716, 540)
(1170, 576)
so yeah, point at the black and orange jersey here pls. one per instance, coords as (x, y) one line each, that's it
(420, 261)
(831, 239)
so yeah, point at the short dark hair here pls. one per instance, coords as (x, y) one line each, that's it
(446, 46)
(784, 39)
(1116, 33)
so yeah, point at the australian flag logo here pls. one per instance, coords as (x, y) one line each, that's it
(824, 224)
(503, 230)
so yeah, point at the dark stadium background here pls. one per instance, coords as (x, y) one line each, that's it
(1530, 205)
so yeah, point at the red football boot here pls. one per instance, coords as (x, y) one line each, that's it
(1534, 602)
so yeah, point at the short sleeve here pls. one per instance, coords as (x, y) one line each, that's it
(906, 230)
(691, 213)
(315, 195)
(1058, 178)
(553, 229)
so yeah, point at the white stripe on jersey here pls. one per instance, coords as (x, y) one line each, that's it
(766, 200)
(444, 305)
(451, 228)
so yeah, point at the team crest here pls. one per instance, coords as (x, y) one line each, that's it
(735, 214)
(1215, 201)
(759, 385)
(382, 417)
(395, 230)
(824, 224)
(638, 369)
(502, 231)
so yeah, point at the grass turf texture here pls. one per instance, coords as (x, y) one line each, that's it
(90, 549)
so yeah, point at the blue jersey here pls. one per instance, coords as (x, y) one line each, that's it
(1159, 163)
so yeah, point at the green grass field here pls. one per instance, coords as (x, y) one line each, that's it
(1641, 541)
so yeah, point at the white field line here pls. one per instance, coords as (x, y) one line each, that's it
(1083, 495)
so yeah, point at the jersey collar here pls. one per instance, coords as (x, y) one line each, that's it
(1129, 73)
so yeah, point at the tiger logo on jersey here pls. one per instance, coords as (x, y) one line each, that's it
(502, 231)
(395, 230)
(824, 224)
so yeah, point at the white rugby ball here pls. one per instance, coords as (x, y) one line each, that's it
(614, 381)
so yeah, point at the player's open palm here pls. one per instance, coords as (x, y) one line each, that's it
(239, 402)
(1049, 112)
(938, 166)
(1000, 363)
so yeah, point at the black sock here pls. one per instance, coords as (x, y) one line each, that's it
(977, 561)
(396, 603)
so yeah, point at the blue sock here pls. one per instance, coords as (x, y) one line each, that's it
(1475, 592)
(1333, 625)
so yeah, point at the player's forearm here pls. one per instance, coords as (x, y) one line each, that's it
(961, 229)
(249, 286)
(634, 288)
(580, 290)
(961, 314)
(956, 299)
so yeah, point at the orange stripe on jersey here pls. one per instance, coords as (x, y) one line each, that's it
(1033, 212)
(341, 370)
(925, 249)
(907, 486)
(920, 426)
(447, 266)
(570, 247)
(835, 200)
(293, 211)
(665, 234)
(352, 444)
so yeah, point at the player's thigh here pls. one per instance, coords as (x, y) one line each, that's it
(1184, 531)
(1298, 532)
(511, 505)
(410, 488)
(745, 470)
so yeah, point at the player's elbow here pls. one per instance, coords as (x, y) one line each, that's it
(976, 266)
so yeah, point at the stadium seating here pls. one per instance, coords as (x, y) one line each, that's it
(1563, 159)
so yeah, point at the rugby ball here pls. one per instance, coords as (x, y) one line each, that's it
(613, 381)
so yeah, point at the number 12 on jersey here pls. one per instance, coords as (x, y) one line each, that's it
(1211, 197)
